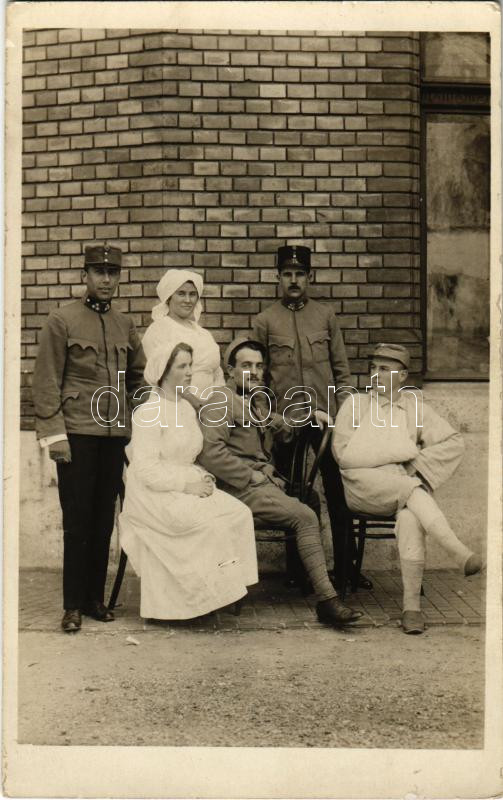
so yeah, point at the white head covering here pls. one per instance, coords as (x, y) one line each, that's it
(156, 364)
(168, 285)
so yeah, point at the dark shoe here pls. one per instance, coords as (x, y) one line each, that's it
(364, 582)
(333, 612)
(71, 621)
(99, 611)
(473, 565)
(412, 622)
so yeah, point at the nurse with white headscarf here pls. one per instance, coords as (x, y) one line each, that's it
(176, 318)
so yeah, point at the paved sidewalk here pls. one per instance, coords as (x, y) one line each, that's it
(449, 599)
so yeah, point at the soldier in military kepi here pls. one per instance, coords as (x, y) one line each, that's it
(306, 351)
(89, 365)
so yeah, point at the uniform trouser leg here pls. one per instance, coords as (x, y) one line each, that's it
(334, 496)
(410, 537)
(269, 504)
(110, 466)
(76, 485)
(88, 487)
(284, 453)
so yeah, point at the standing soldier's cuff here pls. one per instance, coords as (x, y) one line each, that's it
(48, 440)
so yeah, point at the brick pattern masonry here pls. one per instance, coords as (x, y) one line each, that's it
(208, 149)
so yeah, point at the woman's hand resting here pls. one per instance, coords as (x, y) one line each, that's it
(201, 488)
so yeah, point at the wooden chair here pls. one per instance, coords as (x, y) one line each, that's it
(361, 527)
(122, 559)
(300, 484)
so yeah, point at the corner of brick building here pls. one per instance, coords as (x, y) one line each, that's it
(207, 151)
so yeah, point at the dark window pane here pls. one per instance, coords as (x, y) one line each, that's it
(456, 57)
(457, 147)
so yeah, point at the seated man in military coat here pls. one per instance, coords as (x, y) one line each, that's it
(238, 434)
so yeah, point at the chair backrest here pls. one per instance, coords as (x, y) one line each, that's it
(310, 475)
(302, 476)
(298, 466)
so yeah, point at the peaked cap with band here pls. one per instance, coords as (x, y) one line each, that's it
(295, 255)
(102, 255)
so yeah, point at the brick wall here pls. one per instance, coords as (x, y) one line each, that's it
(208, 150)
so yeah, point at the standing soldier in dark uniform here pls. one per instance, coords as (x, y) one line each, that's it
(306, 351)
(90, 362)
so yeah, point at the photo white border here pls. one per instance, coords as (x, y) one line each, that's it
(246, 772)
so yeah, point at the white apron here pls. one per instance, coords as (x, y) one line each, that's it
(193, 554)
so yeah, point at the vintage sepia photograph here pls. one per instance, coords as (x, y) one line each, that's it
(255, 431)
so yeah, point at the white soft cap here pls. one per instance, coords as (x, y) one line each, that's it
(169, 284)
(156, 364)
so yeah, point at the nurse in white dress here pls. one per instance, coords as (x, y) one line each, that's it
(192, 545)
(176, 317)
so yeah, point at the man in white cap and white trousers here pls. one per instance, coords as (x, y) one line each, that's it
(393, 452)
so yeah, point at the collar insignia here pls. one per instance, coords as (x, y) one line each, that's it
(100, 306)
(295, 306)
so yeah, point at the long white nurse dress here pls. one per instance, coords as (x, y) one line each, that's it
(193, 554)
(206, 370)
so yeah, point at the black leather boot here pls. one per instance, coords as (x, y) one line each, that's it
(333, 612)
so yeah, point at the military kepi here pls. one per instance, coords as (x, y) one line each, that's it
(102, 255)
(395, 351)
(238, 342)
(294, 256)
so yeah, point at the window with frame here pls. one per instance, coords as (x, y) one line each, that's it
(455, 116)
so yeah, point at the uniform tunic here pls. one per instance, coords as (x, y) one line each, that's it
(381, 466)
(305, 349)
(80, 351)
(235, 442)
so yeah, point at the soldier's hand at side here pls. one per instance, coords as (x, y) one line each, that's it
(60, 452)
(323, 419)
(257, 477)
(273, 476)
